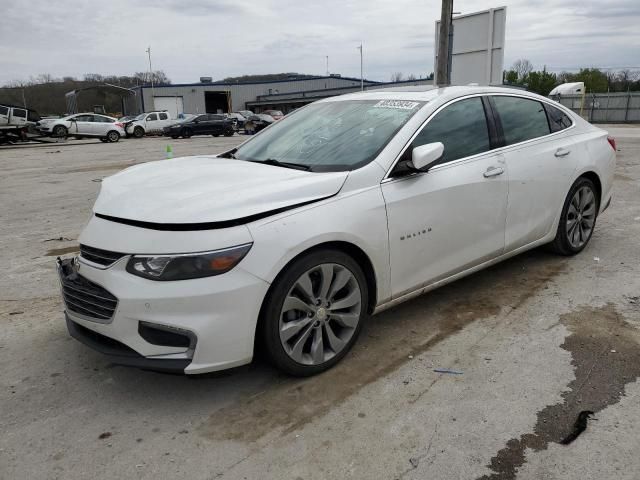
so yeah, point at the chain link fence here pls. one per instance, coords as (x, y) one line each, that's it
(618, 107)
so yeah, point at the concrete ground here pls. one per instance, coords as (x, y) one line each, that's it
(537, 340)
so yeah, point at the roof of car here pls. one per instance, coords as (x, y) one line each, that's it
(427, 93)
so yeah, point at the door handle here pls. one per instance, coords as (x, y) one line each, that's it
(562, 152)
(493, 172)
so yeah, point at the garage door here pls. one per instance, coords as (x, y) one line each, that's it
(173, 105)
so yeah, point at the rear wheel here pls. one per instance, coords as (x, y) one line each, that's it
(229, 133)
(60, 131)
(314, 312)
(138, 132)
(175, 136)
(113, 136)
(215, 134)
(186, 132)
(578, 218)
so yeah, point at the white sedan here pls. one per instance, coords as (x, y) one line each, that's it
(83, 125)
(342, 209)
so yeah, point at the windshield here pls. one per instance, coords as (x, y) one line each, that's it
(331, 136)
(141, 116)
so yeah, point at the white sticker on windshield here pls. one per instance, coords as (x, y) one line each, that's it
(398, 104)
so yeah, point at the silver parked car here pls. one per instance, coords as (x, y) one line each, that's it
(80, 125)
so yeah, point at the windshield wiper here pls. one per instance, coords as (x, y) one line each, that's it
(278, 163)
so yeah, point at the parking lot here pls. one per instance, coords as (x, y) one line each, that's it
(533, 341)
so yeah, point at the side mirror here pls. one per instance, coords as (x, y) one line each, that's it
(426, 156)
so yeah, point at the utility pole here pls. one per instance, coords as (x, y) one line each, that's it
(153, 99)
(443, 75)
(361, 74)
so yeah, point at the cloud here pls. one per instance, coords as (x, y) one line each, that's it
(220, 38)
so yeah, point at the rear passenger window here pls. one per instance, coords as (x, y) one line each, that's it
(461, 127)
(522, 119)
(164, 116)
(558, 120)
(18, 112)
(4, 110)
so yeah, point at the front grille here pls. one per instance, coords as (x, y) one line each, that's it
(87, 298)
(101, 257)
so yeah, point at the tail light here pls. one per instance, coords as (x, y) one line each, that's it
(612, 142)
(121, 125)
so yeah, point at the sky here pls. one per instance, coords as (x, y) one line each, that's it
(222, 38)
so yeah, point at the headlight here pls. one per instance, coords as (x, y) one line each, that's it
(187, 266)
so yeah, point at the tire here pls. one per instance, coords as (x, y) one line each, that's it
(229, 133)
(60, 131)
(578, 218)
(103, 140)
(186, 132)
(138, 132)
(313, 337)
(175, 136)
(113, 136)
(215, 135)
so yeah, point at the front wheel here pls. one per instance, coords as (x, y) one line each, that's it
(113, 136)
(138, 132)
(186, 132)
(60, 131)
(229, 133)
(314, 312)
(578, 218)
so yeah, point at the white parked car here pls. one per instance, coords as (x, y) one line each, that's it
(149, 123)
(82, 125)
(342, 209)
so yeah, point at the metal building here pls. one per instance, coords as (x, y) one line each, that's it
(221, 97)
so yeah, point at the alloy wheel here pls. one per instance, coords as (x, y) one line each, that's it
(581, 216)
(320, 314)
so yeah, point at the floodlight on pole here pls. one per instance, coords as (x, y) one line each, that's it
(361, 70)
(153, 106)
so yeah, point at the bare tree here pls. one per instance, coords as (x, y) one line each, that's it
(92, 77)
(523, 67)
(396, 77)
(411, 77)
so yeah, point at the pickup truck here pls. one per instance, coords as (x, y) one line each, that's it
(148, 123)
(15, 122)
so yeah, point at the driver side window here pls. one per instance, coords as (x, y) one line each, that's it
(461, 127)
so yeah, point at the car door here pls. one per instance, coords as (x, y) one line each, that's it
(200, 124)
(215, 124)
(101, 125)
(452, 217)
(163, 120)
(151, 123)
(18, 116)
(82, 125)
(4, 115)
(540, 159)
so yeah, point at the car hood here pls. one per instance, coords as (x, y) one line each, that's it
(208, 189)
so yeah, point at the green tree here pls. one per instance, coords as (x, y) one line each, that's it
(595, 81)
(511, 77)
(541, 82)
